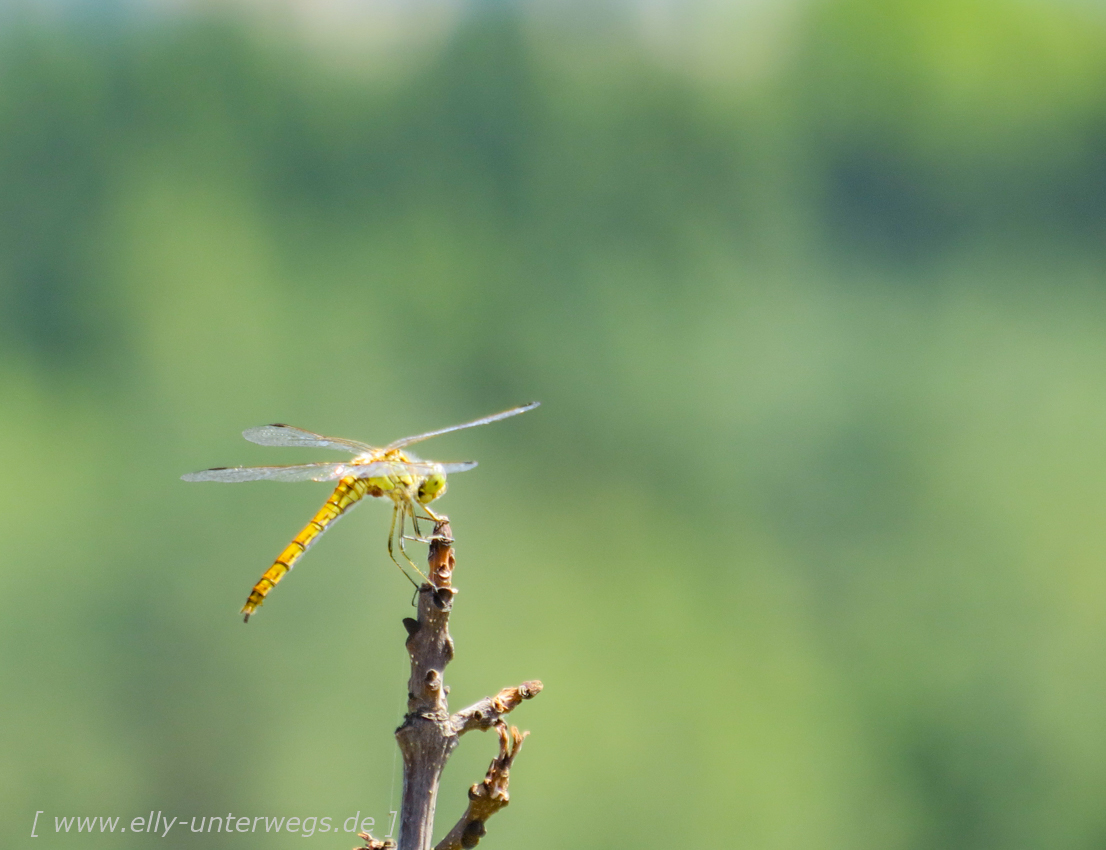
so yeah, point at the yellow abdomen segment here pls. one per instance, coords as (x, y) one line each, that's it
(348, 492)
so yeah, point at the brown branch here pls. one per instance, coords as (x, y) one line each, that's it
(490, 710)
(425, 738)
(429, 734)
(487, 797)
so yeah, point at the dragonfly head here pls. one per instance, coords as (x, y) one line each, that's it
(431, 488)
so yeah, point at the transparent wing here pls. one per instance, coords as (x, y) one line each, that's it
(327, 471)
(495, 417)
(300, 472)
(286, 435)
(418, 468)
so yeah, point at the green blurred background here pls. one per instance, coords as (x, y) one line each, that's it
(806, 541)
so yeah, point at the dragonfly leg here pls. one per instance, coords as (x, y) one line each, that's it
(415, 523)
(391, 535)
(417, 537)
(413, 506)
(438, 518)
(403, 510)
(431, 539)
(430, 513)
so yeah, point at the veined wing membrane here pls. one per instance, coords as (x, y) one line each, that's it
(495, 417)
(286, 435)
(300, 472)
(418, 468)
(327, 471)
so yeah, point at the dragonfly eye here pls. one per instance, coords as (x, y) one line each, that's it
(431, 488)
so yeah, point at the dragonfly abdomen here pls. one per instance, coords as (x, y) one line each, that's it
(347, 494)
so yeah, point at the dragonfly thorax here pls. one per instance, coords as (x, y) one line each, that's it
(423, 489)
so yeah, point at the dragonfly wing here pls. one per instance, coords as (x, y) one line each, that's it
(459, 466)
(495, 417)
(418, 468)
(286, 435)
(300, 472)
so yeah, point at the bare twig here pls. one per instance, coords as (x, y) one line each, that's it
(425, 738)
(490, 710)
(487, 797)
(429, 734)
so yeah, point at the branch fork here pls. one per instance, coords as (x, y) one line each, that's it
(429, 733)
(487, 797)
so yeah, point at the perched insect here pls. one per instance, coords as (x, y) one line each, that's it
(389, 472)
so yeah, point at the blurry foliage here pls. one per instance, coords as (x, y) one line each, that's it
(818, 483)
(931, 122)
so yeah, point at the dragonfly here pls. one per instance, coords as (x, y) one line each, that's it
(390, 472)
